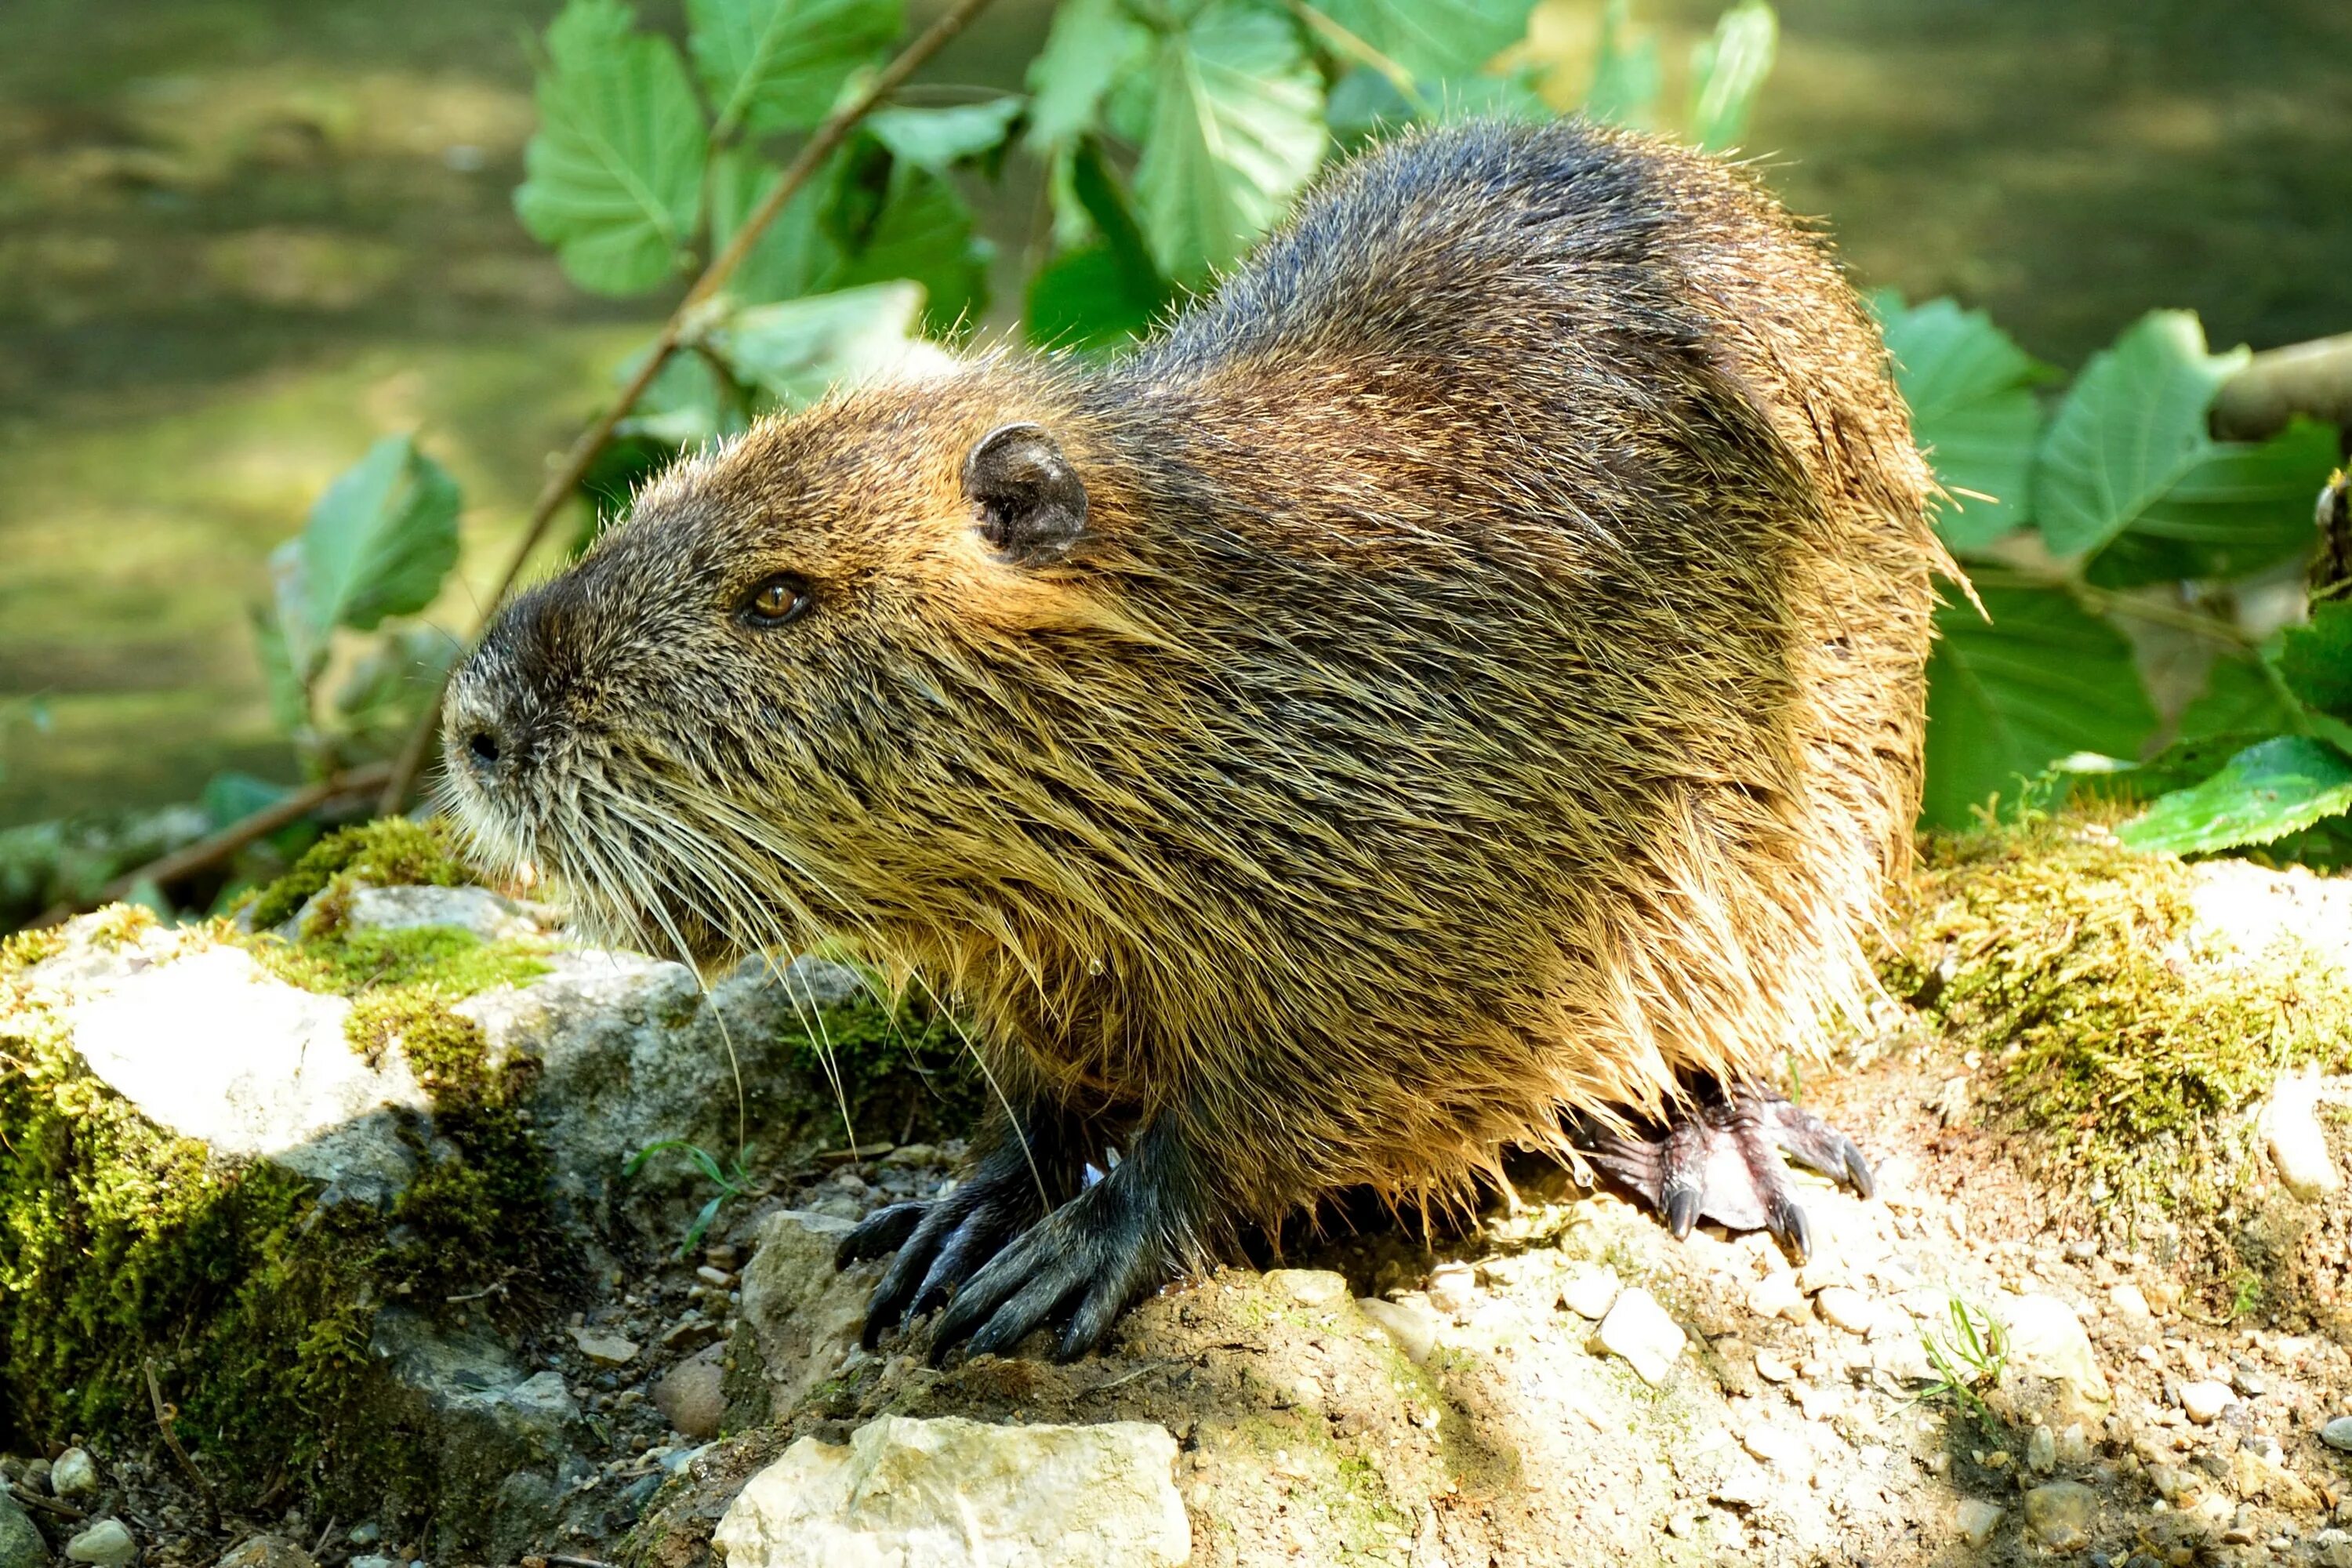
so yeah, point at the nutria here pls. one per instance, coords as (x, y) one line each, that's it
(1457, 685)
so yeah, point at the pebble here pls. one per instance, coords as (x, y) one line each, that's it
(106, 1542)
(1773, 1368)
(1978, 1518)
(2042, 1451)
(1638, 1329)
(2205, 1399)
(692, 1395)
(2059, 1514)
(1777, 1296)
(74, 1475)
(1778, 1447)
(1589, 1290)
(1845, 1307)
(2129, 1302)
(1453, 1287)
(1413, 1328)
(1310, 1286)
(267, 1552)
(2337, 1433)
(604, 1350)
(2297, 1142)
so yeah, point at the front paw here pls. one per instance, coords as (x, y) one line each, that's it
(939, 1243)
(1086, 1259)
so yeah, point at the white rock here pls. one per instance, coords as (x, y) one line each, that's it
(2129, 1303)
(951, 1493)
(1773, 1367)
(1978, 1518)
(2041, 1450)
(1777, 1296)
(2205, 1399)
(2337, 1433)
(1453, 1287)
(1589, 1290)
(1784, 1450)
(1638, 1329)
(2291, 1124)
(1847, 1308)
(107, 1544)
(603, 1349)
(2046, 1340)
(475, 909)
(74, 1475)
(1415, 1329)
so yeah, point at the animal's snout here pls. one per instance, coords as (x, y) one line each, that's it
(484, 746)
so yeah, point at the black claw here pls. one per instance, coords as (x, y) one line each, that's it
(1857, 1172)
(884, 1230)
(1796, 1232)
(1682, 1211)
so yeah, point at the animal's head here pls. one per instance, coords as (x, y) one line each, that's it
(805, 687)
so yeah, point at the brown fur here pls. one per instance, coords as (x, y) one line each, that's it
(1489, 684)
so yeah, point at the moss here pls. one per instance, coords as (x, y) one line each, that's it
(902, 1064)
(2063, 959)
(348, 963)
(391, 852)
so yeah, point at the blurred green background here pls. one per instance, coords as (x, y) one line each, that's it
(241, 238)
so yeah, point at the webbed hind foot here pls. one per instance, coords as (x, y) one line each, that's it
(1720, 1156)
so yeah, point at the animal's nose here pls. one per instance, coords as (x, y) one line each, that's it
(485, 744)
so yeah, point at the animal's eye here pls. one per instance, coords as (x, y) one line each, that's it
(775, 600)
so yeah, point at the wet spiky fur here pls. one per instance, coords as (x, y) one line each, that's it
(1489, 683)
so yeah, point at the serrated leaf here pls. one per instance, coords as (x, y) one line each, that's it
(378, 543)
(795, 349)
(1236, 129)
(1104, 293)
(2262, 794)
(614, 175)
(2043, 680)
(1092, 44)
(2128, 476)
(2238, 509)
(898, 219)
(1727, 70)
(779, 65)
(1973, 412)
(938, 139)
(1626, 75)
(797, 254)
(1434, 39)
(2316, 659)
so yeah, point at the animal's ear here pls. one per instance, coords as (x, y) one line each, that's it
(1031, 503)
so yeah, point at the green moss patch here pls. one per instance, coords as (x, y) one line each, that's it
(903, 1067)
(392, 852)
(2067, 961)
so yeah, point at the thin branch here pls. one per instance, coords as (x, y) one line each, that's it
(820, 147)
(206, 853)
(165, 1415)
(1344, 42)
(2106, 601)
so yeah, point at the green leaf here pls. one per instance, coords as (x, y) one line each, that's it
(1093, 44)
(797, 254)
(2043, 680)
(2264, 793)
(1728, 69)
(2128, 467)
(1365, 102)
(1627, 78)
(1972, 412)
(288, 687)
(896, 220)
(939, 138)
(613, 176)
(2316, 659)
(2240, 696)
(2237, 510)
(1237, 129)
(797, 349)
(779, 65)
(1434, 39)
(1104, 293)
(378, 544)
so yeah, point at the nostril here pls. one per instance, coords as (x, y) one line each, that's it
(483, 747)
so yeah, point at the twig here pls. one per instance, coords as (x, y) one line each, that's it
(210, 852)
(2312, 379)
(560, 485)
(165, 1415)
(47, 1504)
(324, 1536)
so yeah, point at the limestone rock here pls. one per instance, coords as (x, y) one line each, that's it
(1589, 1290)
(1310, 1286)
(2291, 1124)
(802, 1316)
(1415, 1329)
(2205, 1399)
(21, 1546)
(1638, 1329)
(954, 1493)
(103, 1543)
(486, 914)
(603, 1349)
(74, 1475)
(2046, 1340)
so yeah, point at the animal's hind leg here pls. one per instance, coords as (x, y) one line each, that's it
(1719, 1158)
